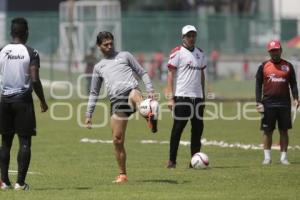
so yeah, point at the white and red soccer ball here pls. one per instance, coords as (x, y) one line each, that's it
(148, 106)
(199, 161)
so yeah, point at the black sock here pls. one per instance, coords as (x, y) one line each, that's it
(5, 157)
(24, 156)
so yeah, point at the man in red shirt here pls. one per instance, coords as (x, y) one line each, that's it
(274, 79)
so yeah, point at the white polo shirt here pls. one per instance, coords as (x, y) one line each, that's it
(188, 66)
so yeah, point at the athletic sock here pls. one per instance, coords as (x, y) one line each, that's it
(283, 155)
(4, 164)
(24, 156)
(267, 153)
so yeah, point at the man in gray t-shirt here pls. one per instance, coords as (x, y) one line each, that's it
(117, 70)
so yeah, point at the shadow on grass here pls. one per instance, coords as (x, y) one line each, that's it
(229, 167)
(295, 163)
(61, 188)
(167, 181)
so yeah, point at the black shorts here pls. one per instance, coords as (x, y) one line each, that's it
(18, 117)
(121, 104)
(281, 115)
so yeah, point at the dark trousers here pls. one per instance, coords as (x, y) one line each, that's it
(23, 158)
(185, 109)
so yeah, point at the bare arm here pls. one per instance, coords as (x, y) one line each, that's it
(37, 87)
(173, 63)
(170, 88)
(203, 83)
(170, 81)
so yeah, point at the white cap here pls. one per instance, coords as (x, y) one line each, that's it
(187, 29)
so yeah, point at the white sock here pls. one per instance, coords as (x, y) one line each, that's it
(283, 155)
(267, 153)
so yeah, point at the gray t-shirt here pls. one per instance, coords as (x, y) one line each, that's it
(117, 73)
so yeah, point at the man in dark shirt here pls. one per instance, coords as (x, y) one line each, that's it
(274, 79)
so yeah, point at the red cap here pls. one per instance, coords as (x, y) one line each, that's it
(274, 44)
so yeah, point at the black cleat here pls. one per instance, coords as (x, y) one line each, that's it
(171, 165)
(152, 122)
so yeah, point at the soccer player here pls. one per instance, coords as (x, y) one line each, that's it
(19, 69)
(186, 91)
(117, 70)
(274, 79)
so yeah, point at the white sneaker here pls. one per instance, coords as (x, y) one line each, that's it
(4, 186)
(23, 187)
(267, 162)
(285, 162)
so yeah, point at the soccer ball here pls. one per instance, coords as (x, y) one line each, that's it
(148, 106)
(199, 161)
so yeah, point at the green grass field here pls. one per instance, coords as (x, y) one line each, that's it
(66, 169)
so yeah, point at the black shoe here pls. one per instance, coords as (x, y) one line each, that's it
(171, 165)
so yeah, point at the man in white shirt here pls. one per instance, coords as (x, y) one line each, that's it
(186, 91)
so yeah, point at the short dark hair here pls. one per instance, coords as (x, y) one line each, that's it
(19, 27)
(104, 35)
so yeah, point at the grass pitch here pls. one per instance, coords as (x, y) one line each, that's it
(66, 169)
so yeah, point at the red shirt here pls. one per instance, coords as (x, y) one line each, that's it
(273, 83)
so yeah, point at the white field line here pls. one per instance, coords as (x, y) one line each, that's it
(87, 140)
(204, 142)
(15, 172)
(47, 84)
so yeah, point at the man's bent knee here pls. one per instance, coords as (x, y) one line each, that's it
(135, 97)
